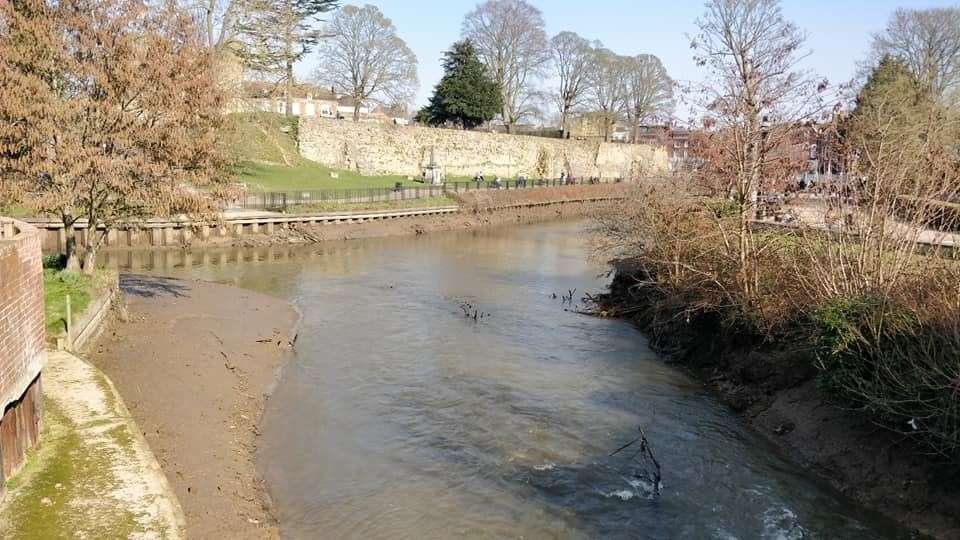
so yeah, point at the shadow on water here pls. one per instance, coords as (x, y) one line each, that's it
(401, 418)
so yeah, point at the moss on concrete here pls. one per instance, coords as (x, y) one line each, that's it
(59, 493)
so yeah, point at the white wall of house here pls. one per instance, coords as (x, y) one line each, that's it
(300, 106)
(347, 112)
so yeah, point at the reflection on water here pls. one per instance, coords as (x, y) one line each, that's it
(401, 418)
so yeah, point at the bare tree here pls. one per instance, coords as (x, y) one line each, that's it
(572, 59)
(648, 92)
(277, 34)
(608, 86)
(754, 98)
(366, 59)
(928, 42)
(219, 20)
(512, 43)
(219, 23)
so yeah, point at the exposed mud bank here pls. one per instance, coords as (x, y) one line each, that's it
(469, 219)
(194, 362)
(773, 386)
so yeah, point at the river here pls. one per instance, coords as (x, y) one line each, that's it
(401, 417)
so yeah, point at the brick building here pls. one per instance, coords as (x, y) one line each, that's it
(22, 347)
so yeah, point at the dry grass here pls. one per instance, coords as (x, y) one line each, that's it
(880, 313)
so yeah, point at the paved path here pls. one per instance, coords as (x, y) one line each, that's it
(814, 216)
(94, 475)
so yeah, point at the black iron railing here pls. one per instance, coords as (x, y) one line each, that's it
(283, 200)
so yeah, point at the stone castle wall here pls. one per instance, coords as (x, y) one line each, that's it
(376, 149)
(22, 348)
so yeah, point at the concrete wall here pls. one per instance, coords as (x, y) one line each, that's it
(179, 234)
(405, 150)
(22, 348)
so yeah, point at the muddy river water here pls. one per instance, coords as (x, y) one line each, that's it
(400, 417)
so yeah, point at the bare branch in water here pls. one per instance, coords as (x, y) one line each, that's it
(649, 468)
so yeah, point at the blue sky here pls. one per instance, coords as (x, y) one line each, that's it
(838, 30)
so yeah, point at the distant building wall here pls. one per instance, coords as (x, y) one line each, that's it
(299, 106)
(406, 150)
(22, 347)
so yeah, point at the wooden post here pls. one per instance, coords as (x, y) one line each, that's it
(69, 324)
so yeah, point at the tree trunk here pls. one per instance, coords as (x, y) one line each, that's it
(91, 248)
(89, 261)
(288, 90)
(756, 157)
(209, 20)
(356, 109)
(70, 250)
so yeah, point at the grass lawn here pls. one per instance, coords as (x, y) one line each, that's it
(14, 211)
(267, 147)
(263, 137)
(309, 175)
(383, 205)
(57, 284)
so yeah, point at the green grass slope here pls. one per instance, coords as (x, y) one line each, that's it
(265, 145)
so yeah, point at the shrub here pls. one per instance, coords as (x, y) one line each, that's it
(940, 215)
(884, 360)
(56, 261)
(722, 208)
(543, 163)
(883, 316)
(691, 248)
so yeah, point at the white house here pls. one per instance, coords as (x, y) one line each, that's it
(346, 106)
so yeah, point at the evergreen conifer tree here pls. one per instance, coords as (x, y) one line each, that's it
(466, 96)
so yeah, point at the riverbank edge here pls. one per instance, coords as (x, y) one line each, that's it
(475, 219)
(264, 493)
(265, 524)
(773, 388)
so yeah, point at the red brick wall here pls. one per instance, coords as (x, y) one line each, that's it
(21, 338)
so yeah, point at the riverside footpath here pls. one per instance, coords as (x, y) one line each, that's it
(74, 464)
(93, 474)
